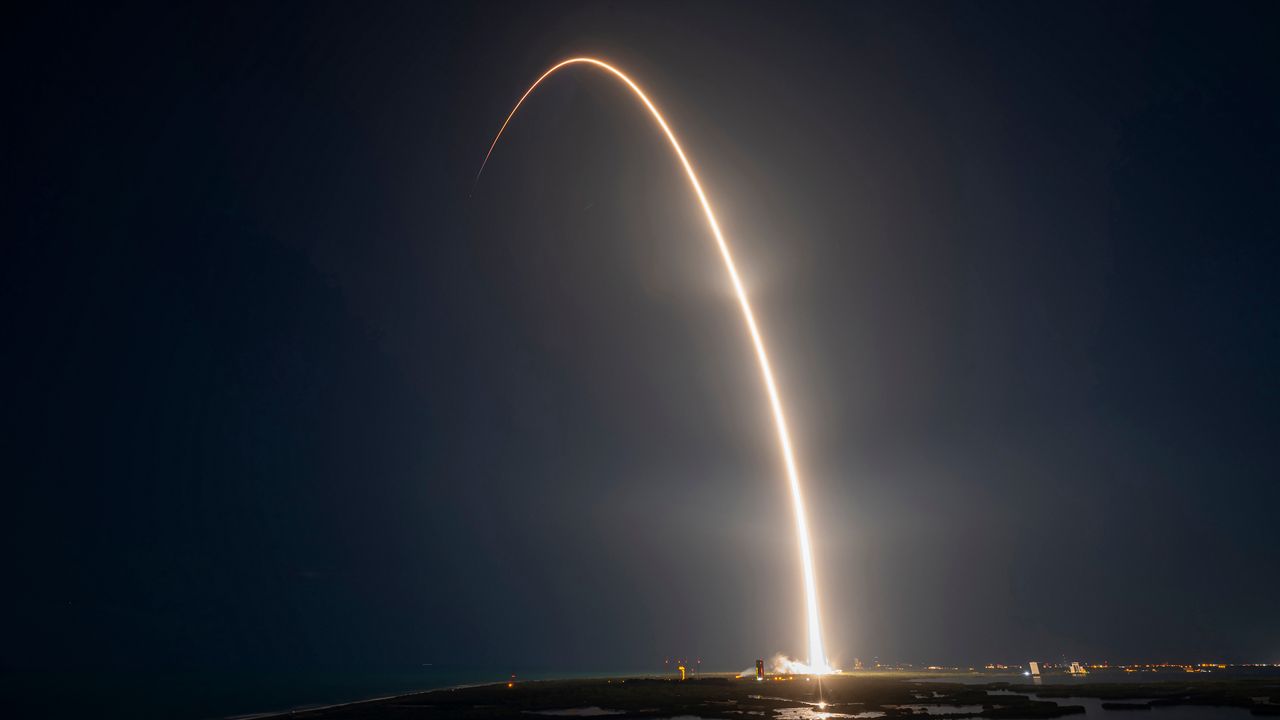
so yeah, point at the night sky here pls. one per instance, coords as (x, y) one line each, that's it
(287, 390)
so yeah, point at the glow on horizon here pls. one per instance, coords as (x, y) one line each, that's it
(817, 654)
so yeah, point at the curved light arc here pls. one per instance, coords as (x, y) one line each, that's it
(817, 654)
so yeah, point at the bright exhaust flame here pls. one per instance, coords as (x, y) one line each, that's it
(817, 655)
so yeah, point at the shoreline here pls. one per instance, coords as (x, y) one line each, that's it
(309, 708)
(463, 686)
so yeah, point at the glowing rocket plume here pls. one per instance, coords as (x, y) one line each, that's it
(817, 656)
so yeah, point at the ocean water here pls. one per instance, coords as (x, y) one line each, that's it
(114, 695)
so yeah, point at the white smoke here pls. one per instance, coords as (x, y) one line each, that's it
(783, 665)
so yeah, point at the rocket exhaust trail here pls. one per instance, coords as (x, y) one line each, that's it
(817, 655)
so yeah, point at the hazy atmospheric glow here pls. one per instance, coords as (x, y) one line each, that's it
(817, 655)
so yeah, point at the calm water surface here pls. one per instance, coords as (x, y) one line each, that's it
(114, 695)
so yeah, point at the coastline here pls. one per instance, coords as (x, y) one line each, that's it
(332, 706)
(265, 715)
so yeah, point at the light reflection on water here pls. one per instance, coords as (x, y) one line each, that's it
(1093, 709)
(809, 713)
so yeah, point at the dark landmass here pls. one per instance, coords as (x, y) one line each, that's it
(796, 698)
(713, 698)
(1261, 695)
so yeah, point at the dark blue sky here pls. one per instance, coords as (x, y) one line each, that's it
(284, 392)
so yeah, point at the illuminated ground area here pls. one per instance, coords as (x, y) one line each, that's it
(800, 698)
